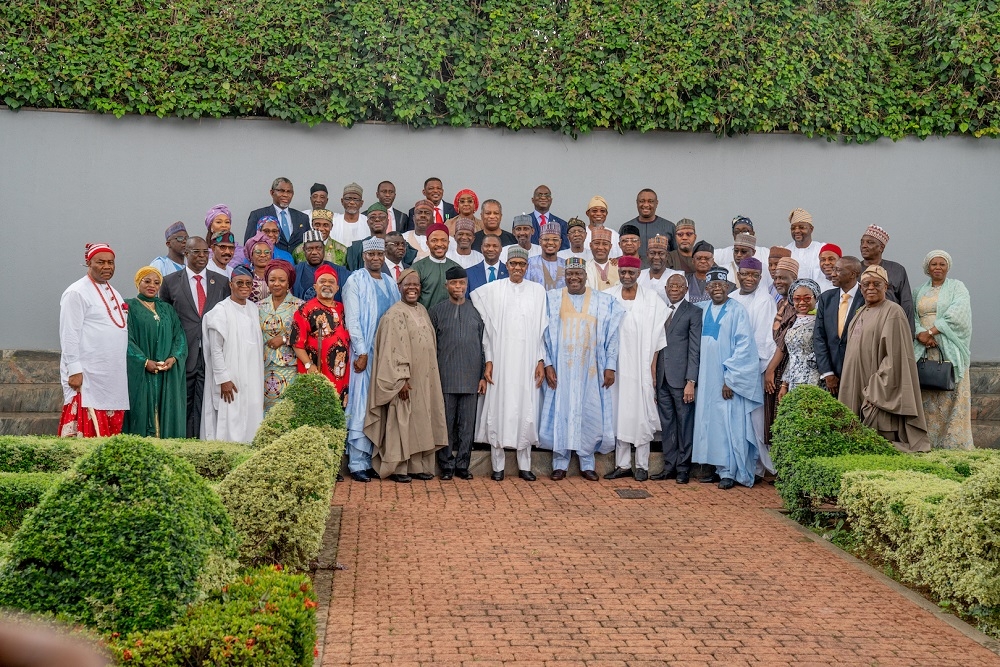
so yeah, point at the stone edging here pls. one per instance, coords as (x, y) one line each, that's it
(323, 579)
(984, 640)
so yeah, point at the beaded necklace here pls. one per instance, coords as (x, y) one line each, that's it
(107, 307)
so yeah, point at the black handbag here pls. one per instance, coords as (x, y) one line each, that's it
(938, 375)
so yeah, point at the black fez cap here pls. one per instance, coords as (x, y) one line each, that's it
(454, 273)
(703, 246)
(318, 187)
(627, 230)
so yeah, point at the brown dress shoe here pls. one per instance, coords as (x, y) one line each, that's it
(557, 475)
(589, 475)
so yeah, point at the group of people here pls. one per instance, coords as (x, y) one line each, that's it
(439, 329)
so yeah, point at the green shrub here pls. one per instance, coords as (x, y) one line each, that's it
(266, 619)
(816, 480)
(964, 462)
(311, 400)
(811, 422)
(29, 453)
(280, 498)
(122, 542)
(19, 493)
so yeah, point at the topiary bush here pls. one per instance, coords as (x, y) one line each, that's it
(31, 453)
(267, 618)
(810, 422)
(279, 499)
(20, 492)
(964, 462)
(311, 400)
(122, 542)
(815, 481)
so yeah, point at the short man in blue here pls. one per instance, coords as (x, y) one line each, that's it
(729, 387)
(581, 356)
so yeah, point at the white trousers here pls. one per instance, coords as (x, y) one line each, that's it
(623, 455)
(498, 456)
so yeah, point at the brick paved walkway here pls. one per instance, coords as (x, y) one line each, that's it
(567, 573)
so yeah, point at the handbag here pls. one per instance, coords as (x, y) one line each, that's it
(939, 375)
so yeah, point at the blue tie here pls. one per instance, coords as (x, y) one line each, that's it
(493, 273)
(285, 227)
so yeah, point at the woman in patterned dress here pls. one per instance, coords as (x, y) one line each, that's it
(801, 367)
(276, 313)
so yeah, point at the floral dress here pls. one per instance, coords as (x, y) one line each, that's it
(801, 367)
(279, 364)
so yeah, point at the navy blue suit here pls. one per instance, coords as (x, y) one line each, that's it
(549, 217)
(477, 275)
(828, 345)
(299, 221)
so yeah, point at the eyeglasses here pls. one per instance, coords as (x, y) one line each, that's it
(261, 253)
(352, 199)
(801, 299)
(180, 239)
(543, 195)
(197, 252)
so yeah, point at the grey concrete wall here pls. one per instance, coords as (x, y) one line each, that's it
(70, 178)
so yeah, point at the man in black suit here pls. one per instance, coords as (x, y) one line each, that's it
(292, 223)
(676, 376)
(193, 292)
(399, 255)
(434, 193)
(541, 199)
(386, 194)
(829, 333)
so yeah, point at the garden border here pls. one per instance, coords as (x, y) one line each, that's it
(984, 640)
(323, 578)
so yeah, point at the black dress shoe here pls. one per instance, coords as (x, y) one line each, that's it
(360, 477)
(527, 475)
(445, 476)
(463, 474)
(727, 484)
(371, 472)
(557, 475)
(590, 475)
(401, 479)
(641, 475)
(340, 477)
(423, 476)
(618, 473)
(683, 478)
(660, 476)
(710, 479)
(497, 476)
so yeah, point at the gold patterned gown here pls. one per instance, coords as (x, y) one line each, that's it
(948, 413)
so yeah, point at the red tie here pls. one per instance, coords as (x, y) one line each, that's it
(541, 220)
(201, 296)
(437, 216)
(396, 269)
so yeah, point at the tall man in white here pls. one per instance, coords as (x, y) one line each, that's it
(233, 406)
(640, 339)
(513, 312)
(93, 338)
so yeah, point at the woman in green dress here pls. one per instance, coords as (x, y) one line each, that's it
(276, 312)
(157, 349)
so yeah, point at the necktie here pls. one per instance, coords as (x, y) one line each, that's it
(437, 216)
(285, 227)
(842, 314)
(493, 273)
(671, 316)
(200, 289)
(541, 220)
(396, 269)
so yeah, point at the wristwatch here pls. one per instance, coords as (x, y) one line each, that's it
(307, 365)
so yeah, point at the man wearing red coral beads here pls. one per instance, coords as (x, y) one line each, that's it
(93, 337)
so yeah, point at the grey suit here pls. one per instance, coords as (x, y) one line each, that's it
(177, 292)
(676, 364)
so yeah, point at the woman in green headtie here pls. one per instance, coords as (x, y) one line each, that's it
(157, 349)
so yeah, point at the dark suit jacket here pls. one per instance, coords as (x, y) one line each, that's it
(401, 221)
(177, 292)
(300, 225)
(678, 361)
(449, 213)
(477, 275)
(355, 258)
(830, 347)
(405, 264)
(549, 217)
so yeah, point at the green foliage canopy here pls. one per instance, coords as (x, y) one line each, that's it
(857, 69)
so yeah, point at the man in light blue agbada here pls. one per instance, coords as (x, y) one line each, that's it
(581, 356)
(368, 294)
(729, 388)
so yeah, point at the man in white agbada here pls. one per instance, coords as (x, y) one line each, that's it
(93, 339)
(513, 312)
(233, 406)
(804, 250)
(656, 276)
(760, 306)
(640, 338)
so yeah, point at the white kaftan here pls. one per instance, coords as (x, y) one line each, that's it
(808, 259)
(658, 285)
(234, 352)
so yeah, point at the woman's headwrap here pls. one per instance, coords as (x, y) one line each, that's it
(931, 255)
(284, 266)
(259, 237)
(215, 212)
(145, 271)
(466, 191)
(808, 283)
(266, 219)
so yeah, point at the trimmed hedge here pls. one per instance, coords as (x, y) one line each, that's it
(122, 542)
(858, 69)
(964, 462)
(19, 493)
(311, 400)
(810, 422)
(279, 500)
(267, 619)
(816, 480)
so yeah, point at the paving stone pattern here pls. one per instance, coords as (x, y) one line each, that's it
(485, 573)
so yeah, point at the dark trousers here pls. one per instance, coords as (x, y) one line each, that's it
(677, 428)
(460, 418)
(195, 391)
